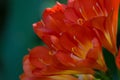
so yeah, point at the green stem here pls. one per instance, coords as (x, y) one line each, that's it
(99, 75)
(118, 74)
(110, 62)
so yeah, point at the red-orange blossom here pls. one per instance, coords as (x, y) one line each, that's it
(74, 35)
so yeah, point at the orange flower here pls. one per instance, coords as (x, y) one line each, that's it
(118, 59)
(67, 43)
(72, 48)
(29, 73)
(58, 77)
(99, 15)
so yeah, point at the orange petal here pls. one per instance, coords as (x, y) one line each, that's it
(57, 77)
(95, 57)
(68, 12)
(25, 77)
(57, 8)
(63, 77)
(77, 33)
(39, 57)
(67, 42)
(65, 59)
(111, 33)
(27, 66)
(45, 63)
(53, 17)
(102, 27)
(41, 30)
(85, 11)
(73, 63)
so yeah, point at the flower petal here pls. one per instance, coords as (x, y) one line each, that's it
(27, 66)
(58, 77)
(39, 57)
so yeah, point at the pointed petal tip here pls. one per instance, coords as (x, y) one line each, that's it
(34, 25)
(58, 3)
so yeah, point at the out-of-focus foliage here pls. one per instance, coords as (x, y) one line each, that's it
(16, 33)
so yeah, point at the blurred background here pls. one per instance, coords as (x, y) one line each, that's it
(16, 33)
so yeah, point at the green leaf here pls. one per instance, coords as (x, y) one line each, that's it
(110, 62)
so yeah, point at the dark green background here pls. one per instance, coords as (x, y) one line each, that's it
(16, 33)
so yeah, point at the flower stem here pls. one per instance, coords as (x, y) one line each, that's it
(118, 74)
(99, 75)
(113, 72)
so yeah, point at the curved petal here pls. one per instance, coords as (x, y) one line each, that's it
(40, 29)
(71, 19)
(46, 64)
(39, 57)
(25, 77)
(27, 66)
(58, 77)
(85, 12)
(77, 32)
(104, 28)
(104, 15)
(53, 18)
(67, 42)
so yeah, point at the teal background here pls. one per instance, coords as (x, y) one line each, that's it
(16, 33)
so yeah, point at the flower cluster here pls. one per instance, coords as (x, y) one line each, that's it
(74, 34)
